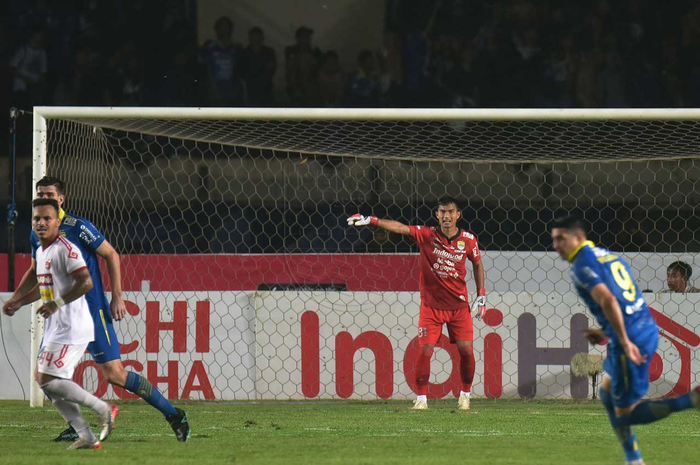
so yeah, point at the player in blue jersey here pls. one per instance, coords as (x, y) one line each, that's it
(105, 348)
(605, 283)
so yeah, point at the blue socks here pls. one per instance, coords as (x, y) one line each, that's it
(653, 410)
(140, 386)
(625, 434)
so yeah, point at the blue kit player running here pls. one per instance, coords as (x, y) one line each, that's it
(605, 284)
(105, 348)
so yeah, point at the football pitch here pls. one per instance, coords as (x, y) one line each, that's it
(353, 432)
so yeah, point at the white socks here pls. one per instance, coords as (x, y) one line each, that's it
(422, 398)
(462, 393)
(71, 413)
(66, 396)
(69, 391)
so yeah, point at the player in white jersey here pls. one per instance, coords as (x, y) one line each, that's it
(63, 281)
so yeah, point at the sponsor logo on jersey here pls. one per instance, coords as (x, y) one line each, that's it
(461, 245)
(442, 253)
(637, 306)
(69, 221)
(87, 235)
(48, 264)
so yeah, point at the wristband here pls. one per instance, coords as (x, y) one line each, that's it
(59, 302)
(481, 291)
(373, 220)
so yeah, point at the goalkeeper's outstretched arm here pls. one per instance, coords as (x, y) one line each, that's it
(389, 225)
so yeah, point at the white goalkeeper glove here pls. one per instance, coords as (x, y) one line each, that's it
(479, 306)
(359, 220)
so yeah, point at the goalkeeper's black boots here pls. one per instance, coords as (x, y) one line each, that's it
(68, 434)
(178, 422)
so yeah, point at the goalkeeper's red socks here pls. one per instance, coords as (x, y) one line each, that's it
(423, 370)
(467, 365)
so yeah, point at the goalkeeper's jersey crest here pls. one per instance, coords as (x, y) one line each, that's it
(87, 238)
(593, 265)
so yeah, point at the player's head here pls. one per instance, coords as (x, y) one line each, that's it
(49, 187)
(45, 220)
(256, 37)
(567, 234)
(677, 276)
(448, 212)
(223, 27)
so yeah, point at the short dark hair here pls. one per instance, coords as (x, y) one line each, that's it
(256, 30)
(45, 203)
(223, 20)
(446, 200)
(682, 267)
(570, 222)
(48, 181)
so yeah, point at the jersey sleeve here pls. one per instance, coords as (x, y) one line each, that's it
(34, 242)
(473, 254)
(72, 259)
(89, 236)
(420, 234)
(588, 275)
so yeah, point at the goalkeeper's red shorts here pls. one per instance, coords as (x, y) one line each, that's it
(430, 321)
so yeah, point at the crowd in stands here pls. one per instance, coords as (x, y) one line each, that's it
(440, 53)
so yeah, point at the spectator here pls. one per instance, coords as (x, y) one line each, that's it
(260, 66)
(677, 276)
(180, 88)
(610, 83)
(123, 81)
(559, 74)
(391, 68)
(462, 81)
(28, 68)
(224, 62)
(302, 62)
(363, 89)
(330, 80)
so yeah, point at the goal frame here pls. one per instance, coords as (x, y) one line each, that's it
(43, 113)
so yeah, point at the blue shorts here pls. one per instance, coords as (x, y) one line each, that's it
(630, 382)
(105, 347)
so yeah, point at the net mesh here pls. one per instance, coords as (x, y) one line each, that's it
(244, 281)
(502, 141)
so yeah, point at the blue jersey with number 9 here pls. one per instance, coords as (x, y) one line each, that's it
(593, 265)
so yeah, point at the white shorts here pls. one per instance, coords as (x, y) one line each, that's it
(59, 360)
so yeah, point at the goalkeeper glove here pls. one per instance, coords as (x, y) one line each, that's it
(480, 304)
(359, 220)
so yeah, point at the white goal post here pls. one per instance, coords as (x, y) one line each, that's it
(220, 158)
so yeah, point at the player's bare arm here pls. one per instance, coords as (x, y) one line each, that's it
(479, 276)
(27, 292)
(389, 225)
(82, 283)
(594, 335)
(479, 304)
(611, 308)
(117, 305)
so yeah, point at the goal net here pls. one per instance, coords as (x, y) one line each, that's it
(243, 280)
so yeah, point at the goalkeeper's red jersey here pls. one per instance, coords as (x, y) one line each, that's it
(443, 266)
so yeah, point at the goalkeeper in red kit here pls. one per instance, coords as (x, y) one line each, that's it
(444, 251)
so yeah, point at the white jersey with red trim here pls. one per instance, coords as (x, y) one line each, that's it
(55, 265)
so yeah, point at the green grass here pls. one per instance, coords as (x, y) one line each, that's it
(353, 433)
